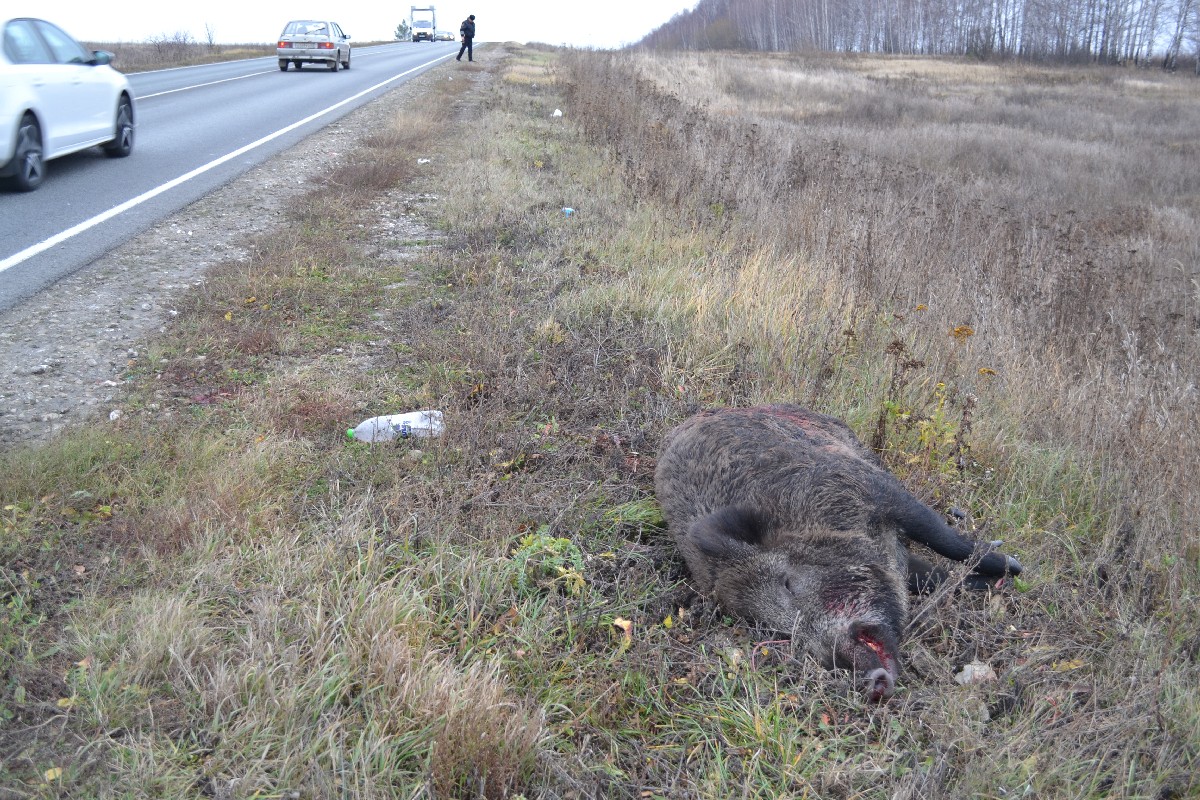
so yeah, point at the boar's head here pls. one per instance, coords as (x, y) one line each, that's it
(834, 594)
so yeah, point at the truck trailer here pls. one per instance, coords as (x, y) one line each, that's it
(423, 22)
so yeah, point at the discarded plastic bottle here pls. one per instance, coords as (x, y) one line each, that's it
(415, 424)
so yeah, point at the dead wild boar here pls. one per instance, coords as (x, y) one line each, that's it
(788, 520)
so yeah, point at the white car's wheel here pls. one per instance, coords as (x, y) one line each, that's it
(122, 141)
(31, 168)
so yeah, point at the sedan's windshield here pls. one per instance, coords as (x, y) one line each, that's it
(306, 28)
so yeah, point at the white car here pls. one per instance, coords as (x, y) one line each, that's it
(56, 98)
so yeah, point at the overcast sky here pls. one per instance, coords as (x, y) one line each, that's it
(580, 23)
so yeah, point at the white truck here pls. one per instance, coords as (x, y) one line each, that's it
(423, 22)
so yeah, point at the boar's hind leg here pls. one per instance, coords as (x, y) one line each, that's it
(924, 577)
(921, 523)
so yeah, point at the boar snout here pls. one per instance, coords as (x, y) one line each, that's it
(872, 651)
(880, 685)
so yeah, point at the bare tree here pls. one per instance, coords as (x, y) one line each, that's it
(1194, 37)
(1184, 13)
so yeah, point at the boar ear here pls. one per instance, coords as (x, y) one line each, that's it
(727, 533)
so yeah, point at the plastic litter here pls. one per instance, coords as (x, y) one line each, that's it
(975, 672)
(568, 212)
(557, 112)
(414, 424)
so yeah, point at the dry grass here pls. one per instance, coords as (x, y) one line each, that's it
(242, 604)
(176, 50)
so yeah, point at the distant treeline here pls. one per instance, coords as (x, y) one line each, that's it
(1104, 31)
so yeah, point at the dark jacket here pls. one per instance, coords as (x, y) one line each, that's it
(467, 28)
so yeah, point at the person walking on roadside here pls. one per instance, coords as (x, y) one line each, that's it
(467, 31)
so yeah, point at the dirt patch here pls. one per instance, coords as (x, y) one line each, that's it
(66, 353)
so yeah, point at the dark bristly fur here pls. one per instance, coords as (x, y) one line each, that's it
(788, 520)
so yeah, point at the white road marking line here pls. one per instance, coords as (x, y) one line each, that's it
(75, 230)
(202, 85)
(141, 97)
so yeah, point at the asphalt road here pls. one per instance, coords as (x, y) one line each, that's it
(197, 128)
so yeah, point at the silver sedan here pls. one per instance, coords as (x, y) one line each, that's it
(309, 41)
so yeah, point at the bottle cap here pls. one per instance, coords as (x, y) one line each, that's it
(350, 432)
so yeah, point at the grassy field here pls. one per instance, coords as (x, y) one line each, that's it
(989, 271)
(178, 50)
